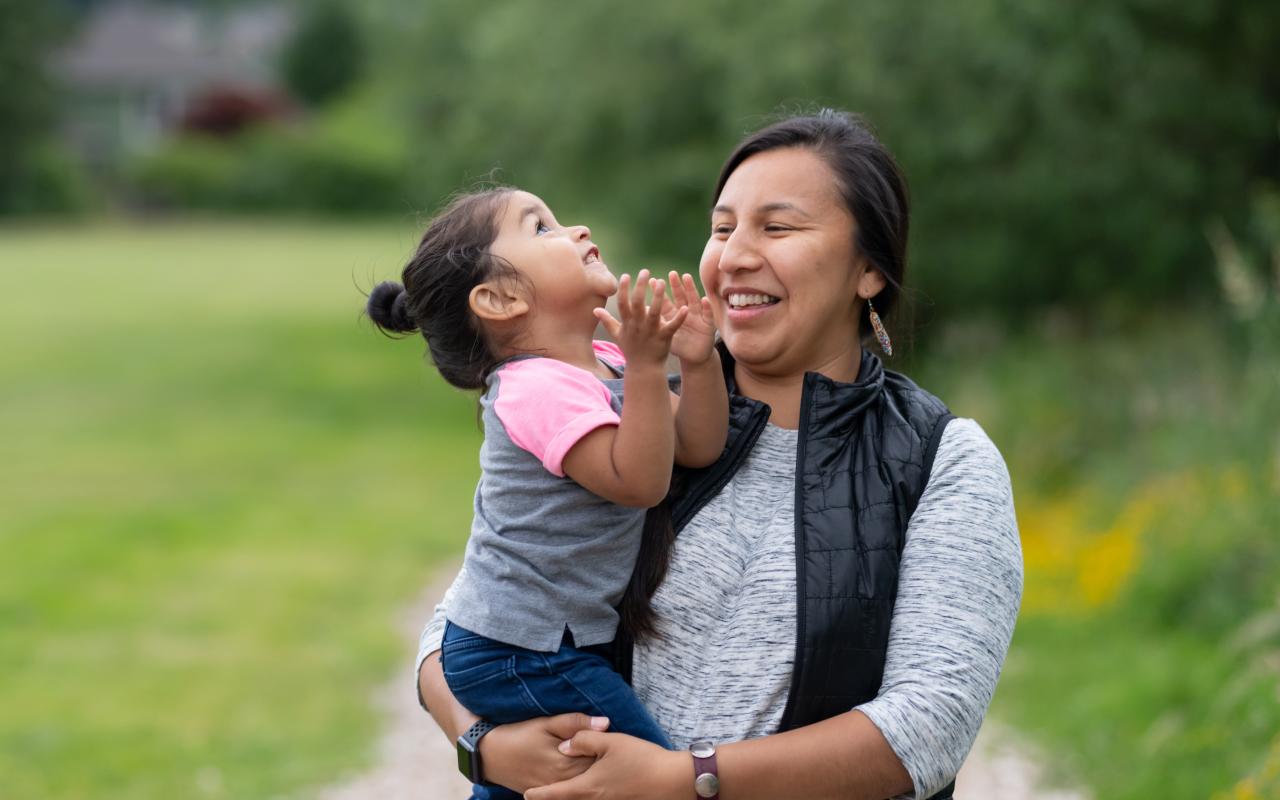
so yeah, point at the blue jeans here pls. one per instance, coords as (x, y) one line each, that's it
(504, 683)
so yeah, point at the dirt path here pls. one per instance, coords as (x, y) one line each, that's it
(416, 763)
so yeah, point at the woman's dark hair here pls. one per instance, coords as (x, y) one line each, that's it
(870, 181)
(452, 259)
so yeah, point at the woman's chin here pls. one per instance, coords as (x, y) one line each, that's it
(750, 348)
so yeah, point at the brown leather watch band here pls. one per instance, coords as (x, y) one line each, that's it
(706, 779)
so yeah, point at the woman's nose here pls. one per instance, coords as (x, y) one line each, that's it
(739, 254)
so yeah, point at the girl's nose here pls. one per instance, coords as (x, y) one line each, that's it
(580, 233)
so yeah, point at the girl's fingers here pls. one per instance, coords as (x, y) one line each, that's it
(691, 288)
(678, 291)
(659, 288)
(612, 326)
(624, 297)
(637, 294)
(705, 307)
(672, 325)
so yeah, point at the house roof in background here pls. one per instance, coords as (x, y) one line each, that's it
(136, 45)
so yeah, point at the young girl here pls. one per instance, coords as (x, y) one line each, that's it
(508, 300)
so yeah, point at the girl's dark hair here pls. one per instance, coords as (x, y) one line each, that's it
(870, 181)
(452, 259)
(636, 617)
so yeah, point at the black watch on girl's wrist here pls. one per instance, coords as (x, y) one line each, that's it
(469, 751)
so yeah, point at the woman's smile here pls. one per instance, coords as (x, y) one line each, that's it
(745, 304)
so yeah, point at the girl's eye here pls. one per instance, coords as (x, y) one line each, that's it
(541, 229)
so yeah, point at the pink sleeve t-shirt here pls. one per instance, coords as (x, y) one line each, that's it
(545, 553)
(548, 406)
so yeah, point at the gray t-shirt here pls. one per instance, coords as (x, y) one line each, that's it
(545, 554)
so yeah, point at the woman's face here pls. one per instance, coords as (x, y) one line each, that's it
(781, 268)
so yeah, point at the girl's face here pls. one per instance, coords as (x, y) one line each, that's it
(561, 266)
(781, 268)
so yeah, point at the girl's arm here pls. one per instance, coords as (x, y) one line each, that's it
(702, 408)
(630, 463)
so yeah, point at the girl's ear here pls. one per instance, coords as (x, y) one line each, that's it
(493, 302)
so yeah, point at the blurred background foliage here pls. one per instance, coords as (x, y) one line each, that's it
(1058, 153)
(209, 461)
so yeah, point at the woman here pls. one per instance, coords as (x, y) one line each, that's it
(839, 600)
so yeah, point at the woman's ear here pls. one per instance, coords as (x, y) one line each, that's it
(493, 302)
(871, 282)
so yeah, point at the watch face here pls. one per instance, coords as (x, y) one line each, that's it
(466, 759)
(706, 785)
(702, 749)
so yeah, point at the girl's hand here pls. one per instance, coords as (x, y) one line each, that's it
(695, 341)
(524, 754)
(625, 768)
(644, 332)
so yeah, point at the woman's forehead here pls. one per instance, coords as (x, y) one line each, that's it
(777, 179)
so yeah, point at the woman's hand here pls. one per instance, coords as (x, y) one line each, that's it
(643, 332)
(524, 754)
(695, 341)
(625, 768)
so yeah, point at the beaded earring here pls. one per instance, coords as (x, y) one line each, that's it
(882, 335)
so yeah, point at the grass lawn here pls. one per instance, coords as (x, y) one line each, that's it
(218, 485)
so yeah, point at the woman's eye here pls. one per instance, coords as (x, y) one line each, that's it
(722, 230)
(776, 228)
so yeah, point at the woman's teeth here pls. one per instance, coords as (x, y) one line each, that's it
(747, 300)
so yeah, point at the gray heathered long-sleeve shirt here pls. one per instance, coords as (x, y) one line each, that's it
(722, 667)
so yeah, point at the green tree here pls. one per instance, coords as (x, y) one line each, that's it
(28, 29)
(326, 55)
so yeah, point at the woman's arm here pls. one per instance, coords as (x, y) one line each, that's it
(959, 589)
(450, 715)
(842, 758)
(958, 596)
(519, 755)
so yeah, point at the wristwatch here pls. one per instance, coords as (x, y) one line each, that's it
(706, 780)
(469, 751)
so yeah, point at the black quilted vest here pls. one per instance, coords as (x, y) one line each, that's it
(863, 457)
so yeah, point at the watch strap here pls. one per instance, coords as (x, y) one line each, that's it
(469, 751)
(706, 777)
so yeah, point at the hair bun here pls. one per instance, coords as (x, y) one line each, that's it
(388, 308)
